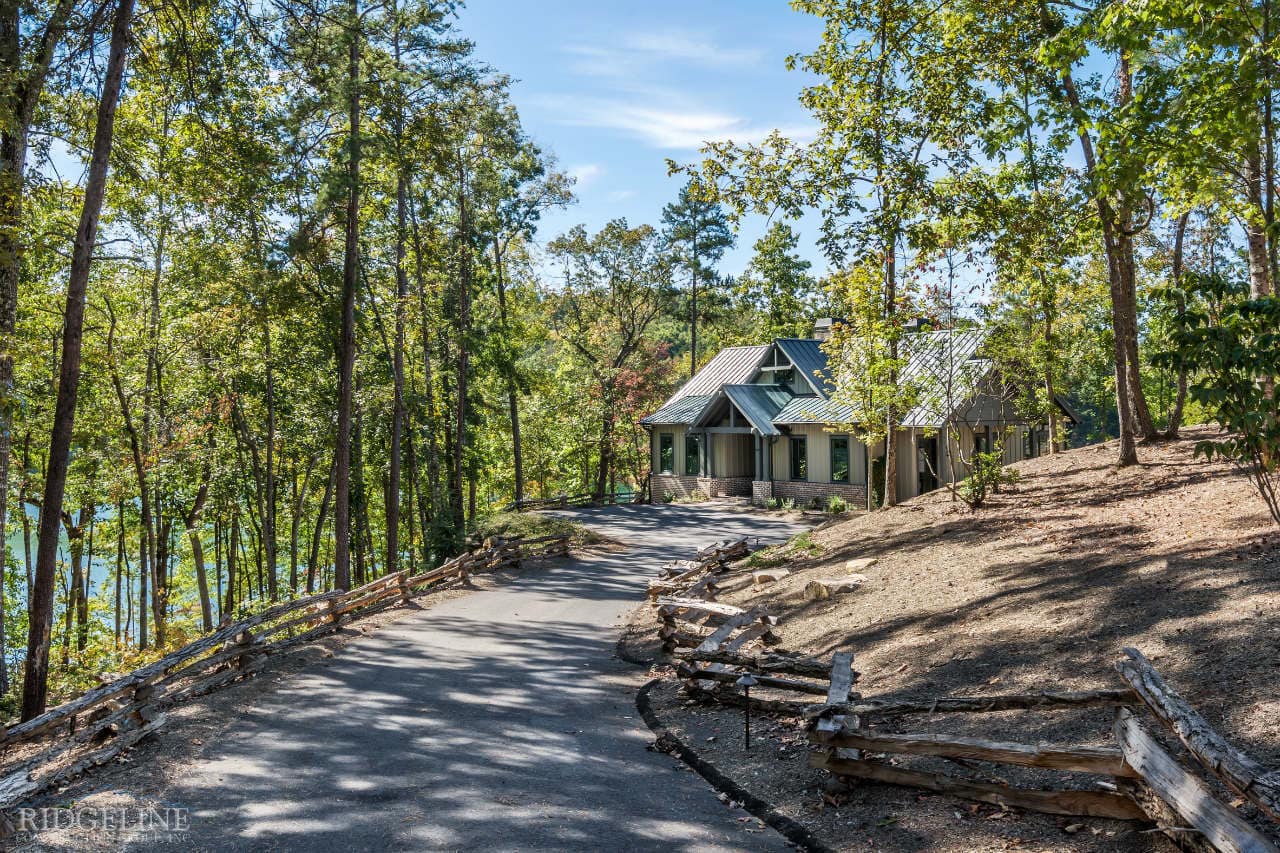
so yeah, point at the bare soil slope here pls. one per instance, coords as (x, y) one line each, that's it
(1041, 589)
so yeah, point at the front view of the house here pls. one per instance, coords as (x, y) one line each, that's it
(760, 421)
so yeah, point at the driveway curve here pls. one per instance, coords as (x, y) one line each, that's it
(499, 720)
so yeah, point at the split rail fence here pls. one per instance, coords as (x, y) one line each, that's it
(1193, 800)
(96, 726)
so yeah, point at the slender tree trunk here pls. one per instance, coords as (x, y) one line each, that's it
(24, 498)
(269, 539)
(397, 357)
(513, 397)
(120, 548)
(82, 596)
(1255, 224)
(233, 545)
(464, 351)
(347, 339)
(36, 681)
(195, 530)
(317, 531)
(1180, 398)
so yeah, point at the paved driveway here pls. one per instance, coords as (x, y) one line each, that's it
(496, 721)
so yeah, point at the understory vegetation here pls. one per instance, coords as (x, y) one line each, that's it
(276, 318)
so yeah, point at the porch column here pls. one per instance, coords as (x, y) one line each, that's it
(759, 467)
(707, 456)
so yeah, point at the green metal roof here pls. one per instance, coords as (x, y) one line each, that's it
(758, 404)
(808, 357)
(680, 410)
(812, 410)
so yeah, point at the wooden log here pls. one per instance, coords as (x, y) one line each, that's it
(727, 676)
(767, 662)
(1240, 772)
(819, 589)
(1043, 700)
(671, 605)
(679, 568)
(1081, 759)
(859, 564)
(722, 634)
(1185, 793)
(758, 631)
(735, 699)
(1076, 803)
(842, 677)
(16, 787)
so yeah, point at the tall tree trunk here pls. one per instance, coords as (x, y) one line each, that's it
(464, 351)
(317, 531)
(347, 338)
(82, 596)
(269, 538)
(120, 549)
(693, 300)
(233, 546)
(397, 358)
(1180, 398)
(36, 681)
(513, 397)
(195, 530)
(1255, 223)
(18, 104)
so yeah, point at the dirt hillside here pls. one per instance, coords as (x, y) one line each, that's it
(1040, 589)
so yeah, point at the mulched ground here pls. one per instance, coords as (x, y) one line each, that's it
(1040, 589)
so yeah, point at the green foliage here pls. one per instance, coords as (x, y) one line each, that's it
(837, 504)
(987, 474)
(531, 525)
(1230, 342)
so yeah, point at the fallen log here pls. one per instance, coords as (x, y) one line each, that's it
(671, 606)
(1076, 803)
(1185, 793)
(1240, 772)
(1081, 759)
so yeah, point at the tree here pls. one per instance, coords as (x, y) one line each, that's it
(616, 284)
(778, 286)
(698, 229)
(35, 685)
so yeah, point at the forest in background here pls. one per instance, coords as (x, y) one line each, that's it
(277, 317)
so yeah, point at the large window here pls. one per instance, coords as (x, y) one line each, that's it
(839, 458)
(799, 458)
(692, 455)
(666, 452)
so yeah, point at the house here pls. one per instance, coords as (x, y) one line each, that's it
(760, 422)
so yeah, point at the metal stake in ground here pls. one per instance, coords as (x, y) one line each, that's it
(746, 682)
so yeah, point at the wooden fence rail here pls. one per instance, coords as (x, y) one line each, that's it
(124, 710)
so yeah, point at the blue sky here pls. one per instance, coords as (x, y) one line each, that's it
(613, 89)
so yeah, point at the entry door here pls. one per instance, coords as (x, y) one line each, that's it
(926, 464)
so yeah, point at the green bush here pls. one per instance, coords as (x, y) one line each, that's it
(837, 504)
(986, 475)
(668, 496)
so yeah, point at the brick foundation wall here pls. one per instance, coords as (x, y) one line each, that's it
(802, 493)
(713, 487)
(761, 491)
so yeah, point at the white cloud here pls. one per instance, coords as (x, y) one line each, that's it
(585, 174)
(669, 126)
(655, 49)
(622, 195)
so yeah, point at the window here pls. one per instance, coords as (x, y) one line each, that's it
(799, 458)
(981, 444)
(666, 452)
(692, 455)
(839, 458)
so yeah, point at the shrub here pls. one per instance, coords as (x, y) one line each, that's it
(698, 496)
(789, 503)
(986, 474)
(773, 503)
(668, 496)
(836, 504)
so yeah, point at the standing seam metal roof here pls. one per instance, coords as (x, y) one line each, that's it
(759, 404)
(807, 355)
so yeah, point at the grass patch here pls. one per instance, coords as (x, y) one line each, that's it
(530, 525)
(798, 546)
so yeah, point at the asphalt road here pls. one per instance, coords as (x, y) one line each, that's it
(496, 721)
